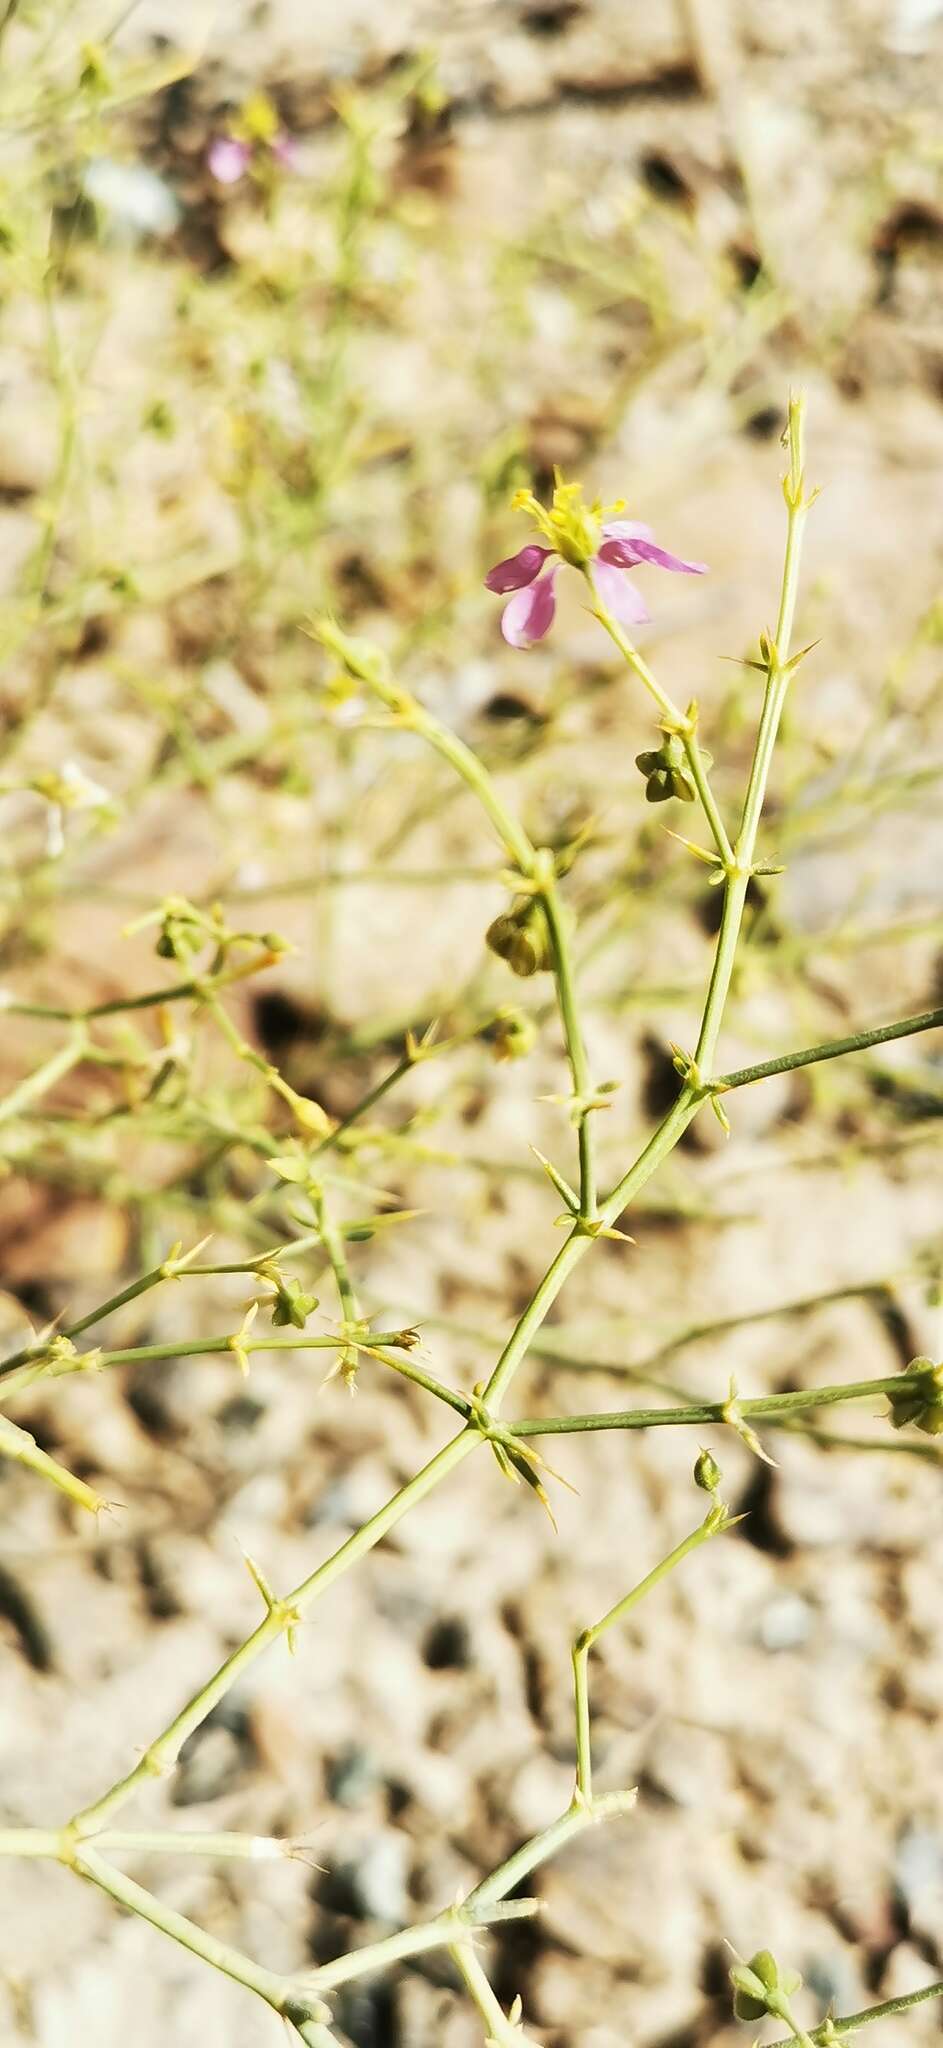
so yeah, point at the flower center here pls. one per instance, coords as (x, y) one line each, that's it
(571, 528)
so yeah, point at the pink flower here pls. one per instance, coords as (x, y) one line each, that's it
(624, 544)
(228, 159)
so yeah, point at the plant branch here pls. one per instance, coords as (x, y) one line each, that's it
(768, 1406)
(832, 1049)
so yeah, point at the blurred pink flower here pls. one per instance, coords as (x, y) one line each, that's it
(625, 544)
(229, 158)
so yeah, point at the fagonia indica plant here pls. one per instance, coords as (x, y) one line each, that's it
(534, 935)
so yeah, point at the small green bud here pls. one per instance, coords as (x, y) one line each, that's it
(707, 1472)
(291, 1304)
(754, 1983)
(760, 1986)
(766, 1968)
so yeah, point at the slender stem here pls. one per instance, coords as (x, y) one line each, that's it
(662, 1141)
(851, 2021)
(676, 719)
(162, 1754)
(545, 1294)
(477, 778)
(575, 1045)
(22, 1449)
(578, 1816)
(410, 713)
(143, 1354)
(415, 1941)
(200, 987)
(714, 1524)
(765, 1405)
(45, 1077)
(265, 1983)
(334, 1247)
(501, 2031)
(399, 1363)
(31, 1842)
(832, 1049)
(698, 772)
(367, 1102)
(584, 1747)
(785, 2013)
(115, 1007)
(314, 2033)
(777, 685)
(165, 1842)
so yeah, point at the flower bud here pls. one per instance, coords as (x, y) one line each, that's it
(707, 1472)
(761, 1987)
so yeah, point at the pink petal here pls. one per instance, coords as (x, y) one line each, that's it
(619, 595)
(626, 529)
(285, 149)
(228, 159)
(645, 551)
(516, 570)
(530, 613)
(622, 554)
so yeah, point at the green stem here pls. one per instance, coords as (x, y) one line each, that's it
(45, 1077)
(334, 1247)
(414, 1941)
(832, 1049)
(162, 1754)
(676, 720)
(143, 1354)
(499, 2030)
(265, 1983)
(410, 713)
(31, 1842)
(575, 1045)
(367, 1102)
(399, 1363)
(22, 1449)
(713, 1525)
(851, 2021)
(578, 1816)
(765, 1405)
(777, 685)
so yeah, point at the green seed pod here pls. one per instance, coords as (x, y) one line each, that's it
(707, 1472)
(520, 937)
(745, 2006)
(919, 1398)
(754, 1984)
(292, 1304)
(666, 772)
(501, 934)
